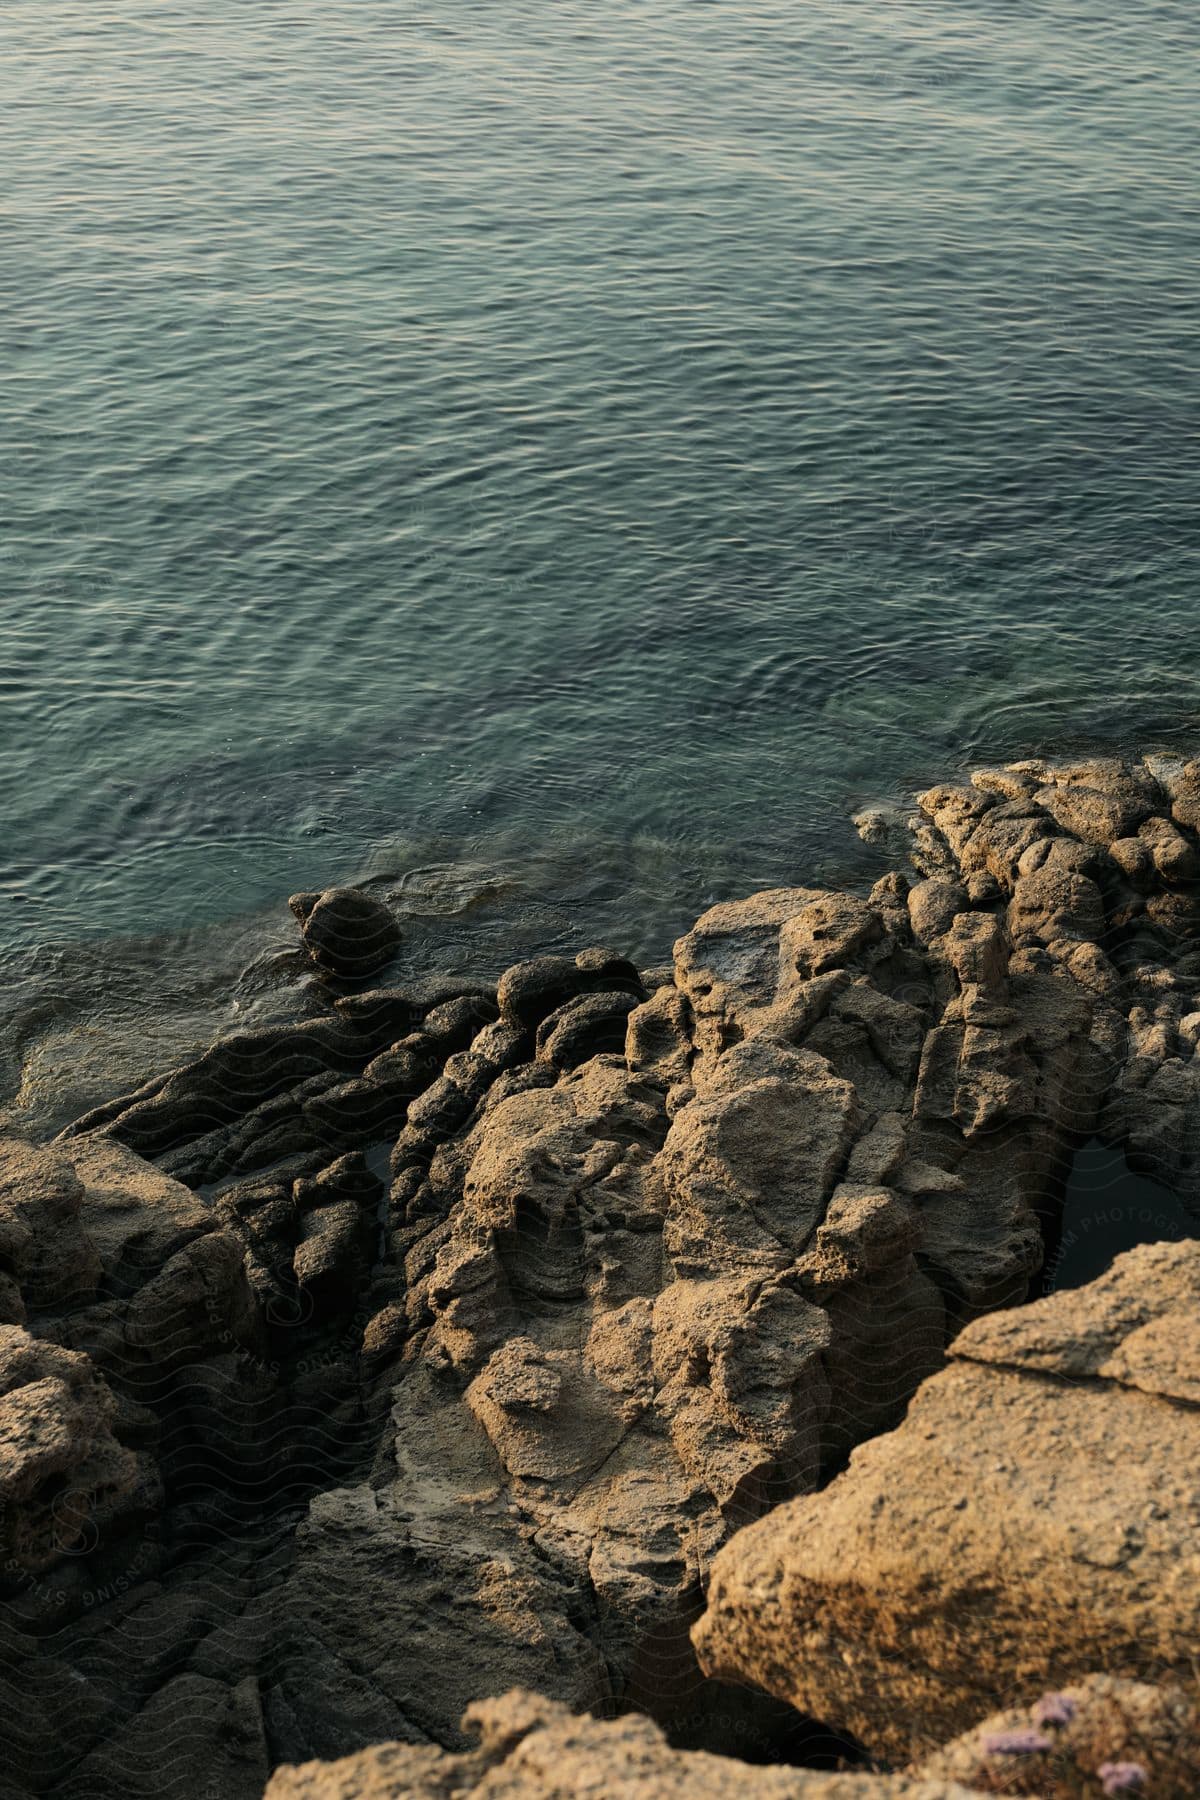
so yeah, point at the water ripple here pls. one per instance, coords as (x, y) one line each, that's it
(625, 438)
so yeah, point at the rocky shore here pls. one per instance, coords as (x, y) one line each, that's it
(384, 1393)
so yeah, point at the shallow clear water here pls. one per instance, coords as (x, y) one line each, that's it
(594, 448)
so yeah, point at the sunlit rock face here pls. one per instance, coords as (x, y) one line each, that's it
(460, 1327)
(1032, 1520)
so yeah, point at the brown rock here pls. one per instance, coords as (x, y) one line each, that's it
(1048, 906)
(44, 1247)
(955, 811)
(1074, 1743)
(1003, 837)
(1182, 782)
(976, 948)
(650, 1266)
(658, 1039)
(59, 1459)
(728, 965)
(1033, 1519)
(534, 1749)
(1100, 801)
(933, 905)
(749, 1166)
(1138, 1325)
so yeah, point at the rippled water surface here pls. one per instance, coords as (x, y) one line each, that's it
(574, 451)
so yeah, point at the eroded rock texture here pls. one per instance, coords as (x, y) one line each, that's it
(1095, 1739)
(531, 1749)
(456, 1330)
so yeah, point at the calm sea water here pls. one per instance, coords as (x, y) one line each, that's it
(569, 456)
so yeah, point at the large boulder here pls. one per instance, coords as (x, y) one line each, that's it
(1033, 1519)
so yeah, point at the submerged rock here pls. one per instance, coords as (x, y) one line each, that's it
(346, 931)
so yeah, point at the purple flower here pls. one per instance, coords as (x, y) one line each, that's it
(1055, 1709)
(1122, 1778)
(1022, 1742)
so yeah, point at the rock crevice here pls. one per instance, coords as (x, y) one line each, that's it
(482, 1316)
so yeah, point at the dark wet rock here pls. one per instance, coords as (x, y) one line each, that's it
(502, 1045)
(608, 969)
(385, 1333)
(337, 1222)
(381, 1016)
(198, 1299)
(346, 931)
(354, 1111)
(593, 1025)
(194, 1723)
(338, 1214)
(530, 991)
(454, 1024)
(263, 1216)
(217, 1091)
(145, 1437)
(272, 1132)
(443, 1107)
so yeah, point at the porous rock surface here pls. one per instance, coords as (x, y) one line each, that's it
(457, 1328)
(530, 1748)
(1035, 1517)
(1093, 1739)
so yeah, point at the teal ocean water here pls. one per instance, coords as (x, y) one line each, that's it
(575, 453)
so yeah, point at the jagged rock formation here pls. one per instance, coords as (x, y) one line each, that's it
(530, 1748)
(1034, 1518)
(151, 1451)
(468, 1323)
